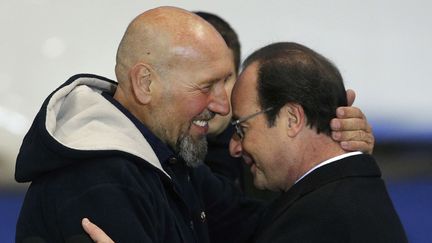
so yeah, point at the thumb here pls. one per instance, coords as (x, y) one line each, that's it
(350, 96)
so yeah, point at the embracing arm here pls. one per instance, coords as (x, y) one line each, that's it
(351, 128)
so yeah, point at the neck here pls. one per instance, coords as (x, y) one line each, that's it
(313, 149)
(124, 98)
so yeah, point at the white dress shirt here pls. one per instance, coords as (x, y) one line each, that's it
(325, 162)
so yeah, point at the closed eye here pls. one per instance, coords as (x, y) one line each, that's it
(206, 89)
(243, 127)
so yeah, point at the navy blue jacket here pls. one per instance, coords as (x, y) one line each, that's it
(87, 156)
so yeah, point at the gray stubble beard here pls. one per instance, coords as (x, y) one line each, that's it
(193, 152)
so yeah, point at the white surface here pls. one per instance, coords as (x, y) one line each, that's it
(382, 48)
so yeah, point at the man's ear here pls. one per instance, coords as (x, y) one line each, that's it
(142, 76)
(294, 117)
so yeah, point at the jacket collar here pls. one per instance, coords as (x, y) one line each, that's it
(80, 118)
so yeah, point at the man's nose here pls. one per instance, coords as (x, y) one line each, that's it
(219, 100)
(235, 147)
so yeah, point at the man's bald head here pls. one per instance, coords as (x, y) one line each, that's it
(162, 37)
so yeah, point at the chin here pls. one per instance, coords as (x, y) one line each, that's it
(259, 185)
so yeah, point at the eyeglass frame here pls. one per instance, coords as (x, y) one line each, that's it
(238, 129)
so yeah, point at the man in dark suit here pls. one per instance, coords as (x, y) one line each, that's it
(220, 133)
(282, 106)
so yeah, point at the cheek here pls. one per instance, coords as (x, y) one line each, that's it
(255, 144)
(191, 106)
(263, 155)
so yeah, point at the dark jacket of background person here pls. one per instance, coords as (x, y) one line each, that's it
(113, 170)
(344, 201)
(221, 162)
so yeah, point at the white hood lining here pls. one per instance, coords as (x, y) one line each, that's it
(79, 117)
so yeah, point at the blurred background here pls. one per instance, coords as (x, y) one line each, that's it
(382, 48)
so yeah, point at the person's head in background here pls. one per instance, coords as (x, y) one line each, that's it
(219, 123)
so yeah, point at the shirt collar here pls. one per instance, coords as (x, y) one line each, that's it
(339, 157)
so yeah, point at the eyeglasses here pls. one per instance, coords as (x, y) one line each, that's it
(238, 129)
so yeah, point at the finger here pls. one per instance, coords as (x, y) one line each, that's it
(357, 146)
(349, 112)
(355, 140)
(356, 135)
(350, 96)
(350, 124)
(97, 234)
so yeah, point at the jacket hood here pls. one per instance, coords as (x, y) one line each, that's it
(76, 123)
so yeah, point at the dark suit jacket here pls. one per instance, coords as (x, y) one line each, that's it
(344, 201)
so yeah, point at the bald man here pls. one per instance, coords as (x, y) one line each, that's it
(128, 154)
